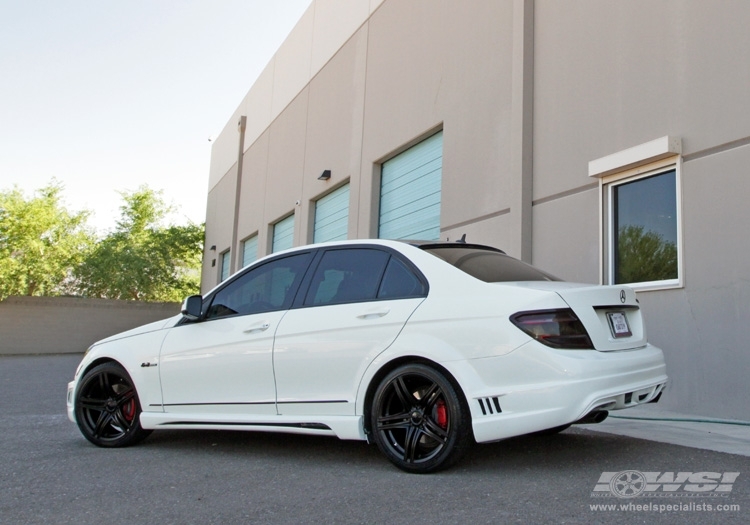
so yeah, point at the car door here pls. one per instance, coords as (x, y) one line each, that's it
(223, 362)
(357, 301)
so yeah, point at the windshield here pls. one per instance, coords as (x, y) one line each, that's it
(487, 264)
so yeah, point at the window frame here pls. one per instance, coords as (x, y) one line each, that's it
(304, 287)
(607, 209)
(300, 283)
(308, 301)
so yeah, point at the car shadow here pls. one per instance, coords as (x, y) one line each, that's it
(567, 450)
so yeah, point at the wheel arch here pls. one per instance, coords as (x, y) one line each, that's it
(387, 368)
(100, 361)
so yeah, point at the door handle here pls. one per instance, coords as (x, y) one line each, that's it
(258, 327)
(375, 314)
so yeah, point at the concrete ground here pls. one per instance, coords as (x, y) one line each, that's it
(654, 424)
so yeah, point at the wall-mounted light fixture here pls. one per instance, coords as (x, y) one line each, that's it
(325, 175)
(213, 248)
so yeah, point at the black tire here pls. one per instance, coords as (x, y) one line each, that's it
(419, 421)
(107, 408)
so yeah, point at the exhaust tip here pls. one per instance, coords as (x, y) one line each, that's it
(595, 416)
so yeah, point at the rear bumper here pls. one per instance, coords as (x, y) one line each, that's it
(535, 387)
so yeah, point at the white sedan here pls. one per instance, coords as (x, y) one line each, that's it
(422, 348)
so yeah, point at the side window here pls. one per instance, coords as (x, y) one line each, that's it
(265, 288)
(347, 275)
(399, 281)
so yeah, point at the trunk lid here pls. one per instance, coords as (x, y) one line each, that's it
(611, 314)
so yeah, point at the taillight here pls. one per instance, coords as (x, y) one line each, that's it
(555, 328)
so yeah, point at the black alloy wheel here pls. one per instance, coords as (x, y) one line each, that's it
(107, 409)
(419, 421)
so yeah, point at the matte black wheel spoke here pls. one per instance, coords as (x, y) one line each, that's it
(102, 423)
(411, 443)
(105, 385)
(407, 398)
(93, 404)
(119, 419)
(430, 396)
(125, 397)
(394, 421)
(432, 429)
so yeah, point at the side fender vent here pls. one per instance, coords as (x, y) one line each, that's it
(489, 405)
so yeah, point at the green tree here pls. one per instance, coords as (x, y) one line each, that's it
(142, 259)
(644, 256)
(40, 242)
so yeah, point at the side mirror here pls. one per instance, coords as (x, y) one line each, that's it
(192, 307)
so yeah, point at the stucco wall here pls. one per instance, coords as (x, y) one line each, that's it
(610, 75)
(53, 325)
(606, 75)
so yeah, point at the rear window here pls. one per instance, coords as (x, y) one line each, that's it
(487, 264)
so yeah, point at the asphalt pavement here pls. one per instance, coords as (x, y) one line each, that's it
(50, 474)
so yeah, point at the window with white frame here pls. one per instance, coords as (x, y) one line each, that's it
(641, 241)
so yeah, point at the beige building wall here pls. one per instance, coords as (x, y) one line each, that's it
(610, 75)
(527, 94)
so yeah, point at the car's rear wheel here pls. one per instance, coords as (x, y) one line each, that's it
(418, 419)
(107, 408)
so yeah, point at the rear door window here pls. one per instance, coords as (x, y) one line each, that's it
(345, 276)
(361, 274)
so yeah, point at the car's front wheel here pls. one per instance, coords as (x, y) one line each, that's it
(418, 419)
(107, 408)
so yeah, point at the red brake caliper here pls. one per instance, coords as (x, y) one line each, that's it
(441, 414)
(128, 410)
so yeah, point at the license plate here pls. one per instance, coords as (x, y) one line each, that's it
(618, 324)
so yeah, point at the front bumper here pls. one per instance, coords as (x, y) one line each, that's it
(69, 401)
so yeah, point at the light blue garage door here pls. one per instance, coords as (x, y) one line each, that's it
(249, 250)
(224, 269)
(410, 192)
(283, 234)
(332, 216)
